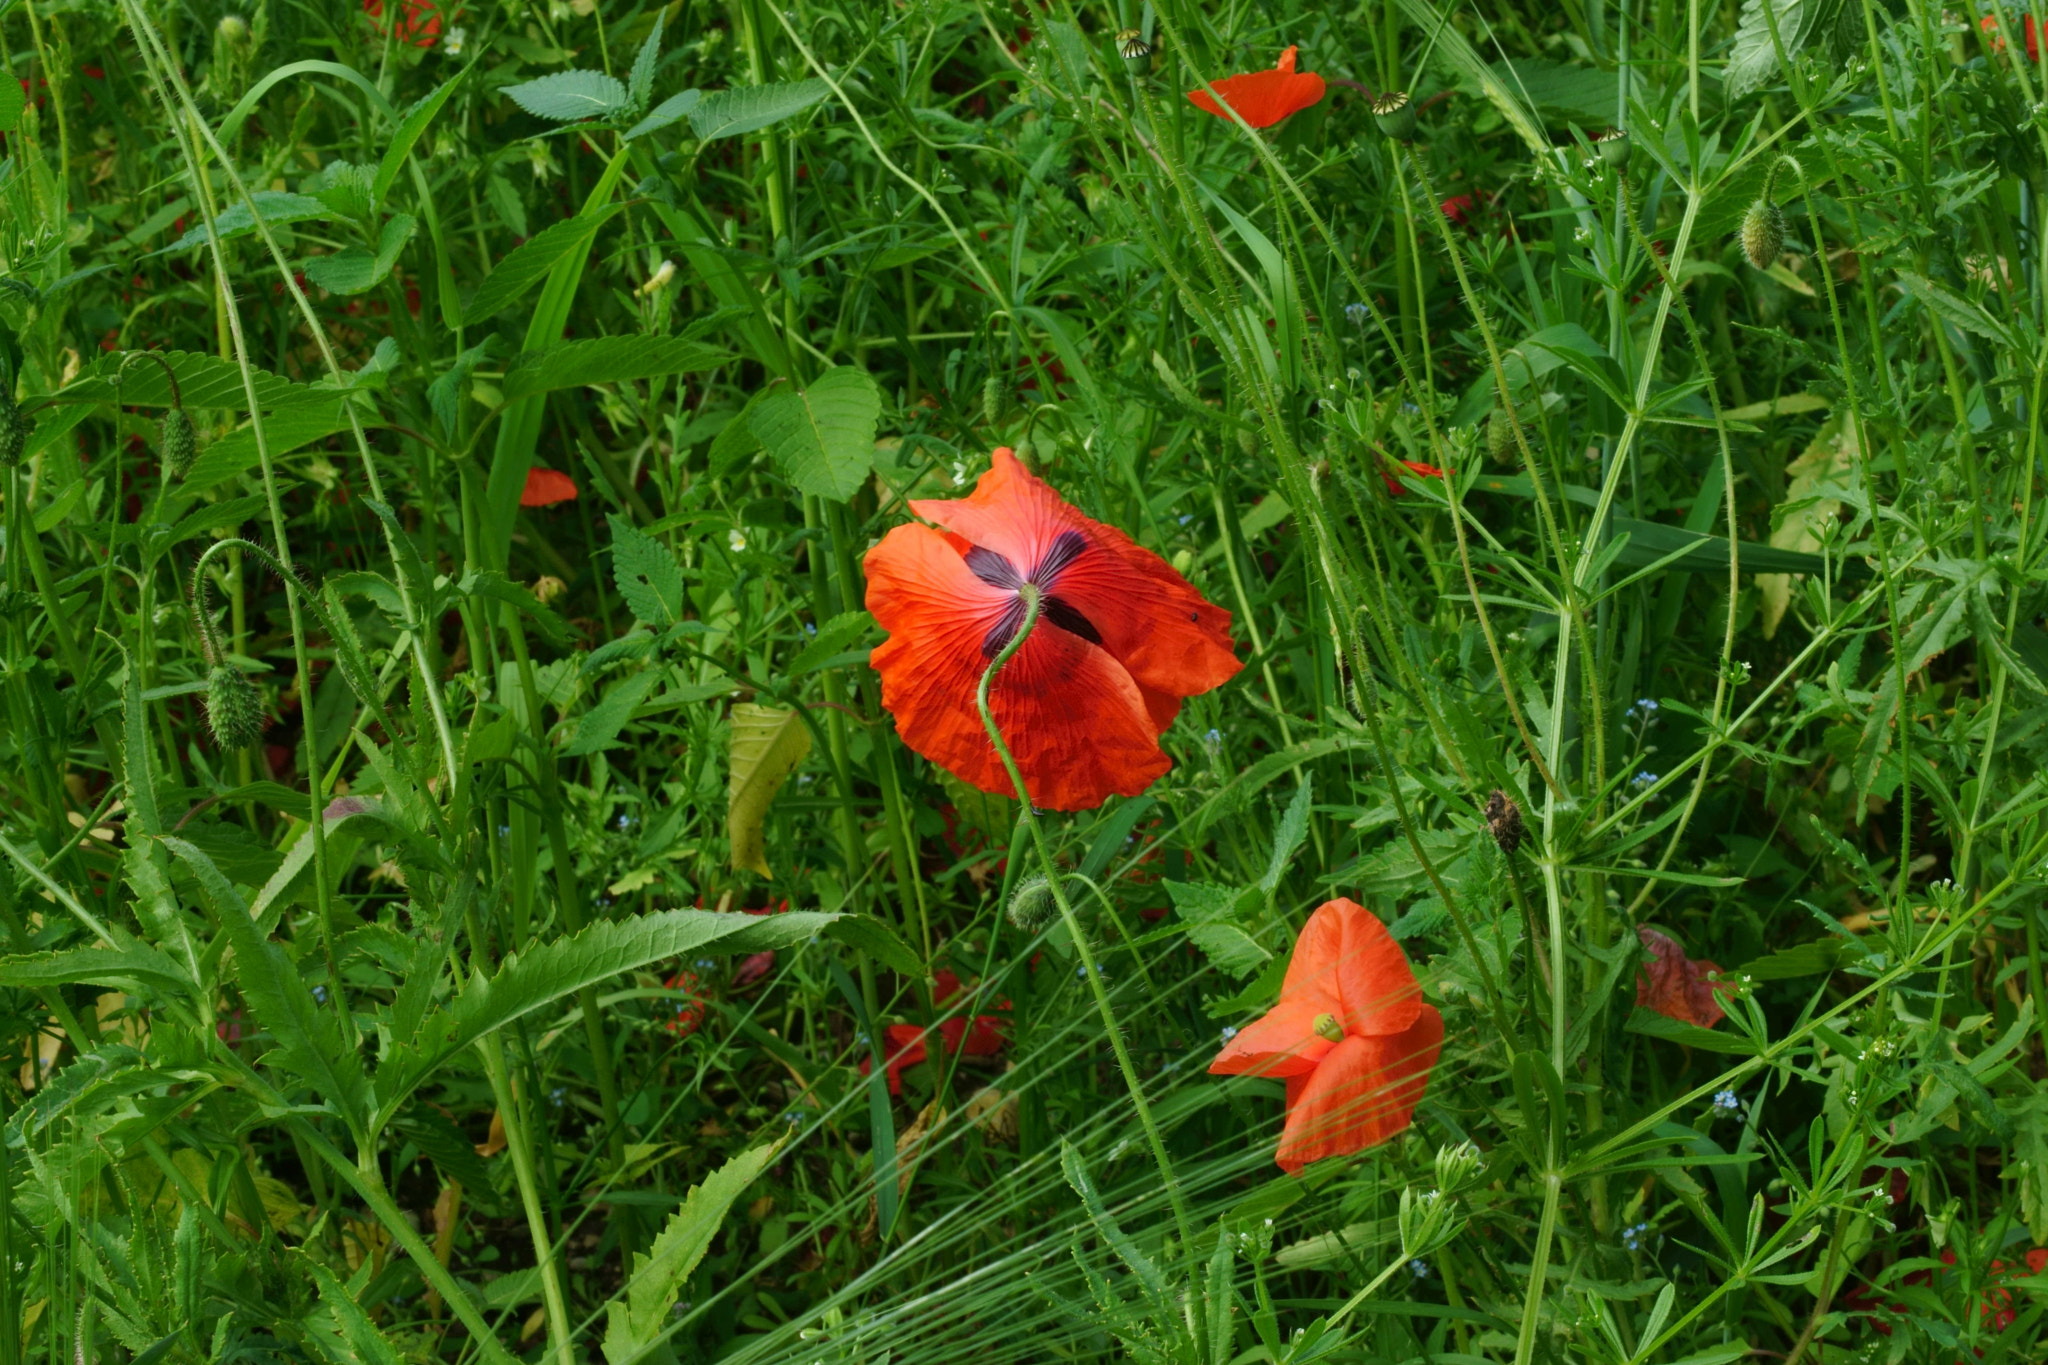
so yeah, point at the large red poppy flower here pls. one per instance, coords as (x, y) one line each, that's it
(546, 487)
(1351, 1036)
(1676, 986)
(1121, 639)
(1262, 98)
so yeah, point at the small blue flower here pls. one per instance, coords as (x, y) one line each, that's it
(1644, 707)
(627, 822)
(1727, 1101)
(320, 994)
(1229, 1032)
(793, 1118)
(861, 1038)
(1632, 1237)
(1082, 972)
(1213, 738)
(810, 629)
(705, 964)
(557, 1095)
(1643, 779)
(1419, 1269)
(504, 831)
(1358, 313)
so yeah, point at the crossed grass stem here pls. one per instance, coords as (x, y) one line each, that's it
(1027, 815)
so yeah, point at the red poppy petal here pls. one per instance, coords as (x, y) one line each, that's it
(546, 487)
(1262, 98)
(1151, 620)
(945, 985)
(1364, 1092)
(1347, 963)
(985, 1039)
(1074, 719)
(1282, 1042)
(1676, 986)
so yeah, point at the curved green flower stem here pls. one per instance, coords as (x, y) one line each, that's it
(1352, 1303)
(520, 1145)
(1027, 815)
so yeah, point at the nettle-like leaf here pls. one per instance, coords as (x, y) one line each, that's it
(600, 726)
(527, 264)
(356, 270)
(668, 111)
(823, 436)
(750, 108)
(642, 79)
(1213, 915)
(1754, 59)
(634, 1326)
(274, 206)
(647, 575)
(570, 95)
(767, 744)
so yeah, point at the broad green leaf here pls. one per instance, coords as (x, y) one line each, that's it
(569, 95)
(647, 575)
(599, 728)
(1953, 308)
(1753, 60)
(1581, 94)
(1211, 913)
(527, 264)
(311, 1041)
(284, 431)
(767, 744)
(750, 108)
(204, 381)
(488, 583)
(608, 360)
(274, 206)
(834, 638)
(824, 436)
(355, 270)
(538, 978)
(1816, 958)
(1689, 1035)
(635, 1325)
(410, 129)
(667, 112)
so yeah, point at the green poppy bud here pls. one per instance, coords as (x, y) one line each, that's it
(179, 445)
(991, 399)
(234, 709)
(1031, 905)
(232, 30)
(1394, 112)
(1763, 233)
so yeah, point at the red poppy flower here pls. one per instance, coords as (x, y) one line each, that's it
(1676, 986)
(1415, 467)
(1351, 1035)
(1989, 23)
(546, 487)
(690, 1009)
(419, 23)
(1121, 639)
(1994, 1305)
(981, 1037)
(1457, 208)
(1262, 98)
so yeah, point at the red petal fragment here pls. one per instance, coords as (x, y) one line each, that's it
(546, 487)
(1676, 986)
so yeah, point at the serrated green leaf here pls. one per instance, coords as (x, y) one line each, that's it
(834, 637)
(824, 436)
(635, 1325)
(569, 95)
(1754, 58)
(767, 744)
(750, 108)
(647, 575)
(527, 264)
(641, 84)
(12, 103)
(136, 968)
(354, 270)
(599, 728)
(608, 360)
(273, 206)
(668, 111)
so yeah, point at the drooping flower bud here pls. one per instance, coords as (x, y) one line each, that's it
(1500, 435)
(232, 29)
(234, 708)
(1763, 233)
(1394, 113)
(1031, 905)
(179, 444)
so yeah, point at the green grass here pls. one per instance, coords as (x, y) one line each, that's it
(1733, 587)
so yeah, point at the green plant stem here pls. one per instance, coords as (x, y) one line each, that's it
(1027, 815)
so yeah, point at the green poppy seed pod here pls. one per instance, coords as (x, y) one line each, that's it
(991, 399)
(178, 443)
(1136, 52)
(1500, 435)
(1326, 1026)
(13, 429)
(1613, 147)
(1394, 112)
(1031, 905)
(1763, 233)
(234, 709)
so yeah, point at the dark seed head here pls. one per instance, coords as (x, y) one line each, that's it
(1613, 146)
(1504, 821)
(1136, 52)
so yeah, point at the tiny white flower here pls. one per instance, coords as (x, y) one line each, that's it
(452, 41)
(736, 539)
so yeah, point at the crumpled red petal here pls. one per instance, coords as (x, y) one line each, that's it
(1676, 986)
(1362, 1093)
(1262, 98)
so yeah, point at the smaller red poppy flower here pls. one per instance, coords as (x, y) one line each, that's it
(1457, 208)
(981, 1037)
(418, 24)
(689, 1010)
(1989, 24)
(1262, 98)
(1677, 987)
(1415, 467)
(1121, 640)
(1351, 1036)
(546, 487)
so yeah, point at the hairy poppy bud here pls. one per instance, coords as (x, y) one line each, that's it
(234, 709)
(1613, 146)
(13, 428)
(179, 445)
(1136, 52)
(1504, 821)
(1247, 441)
(232, 29)
(1500, 435)
(991, 399)
(1031, 905)
(1763, 233)
(1394, 112)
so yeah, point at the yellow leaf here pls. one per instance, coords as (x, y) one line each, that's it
(1832, 454)
(767, 744)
